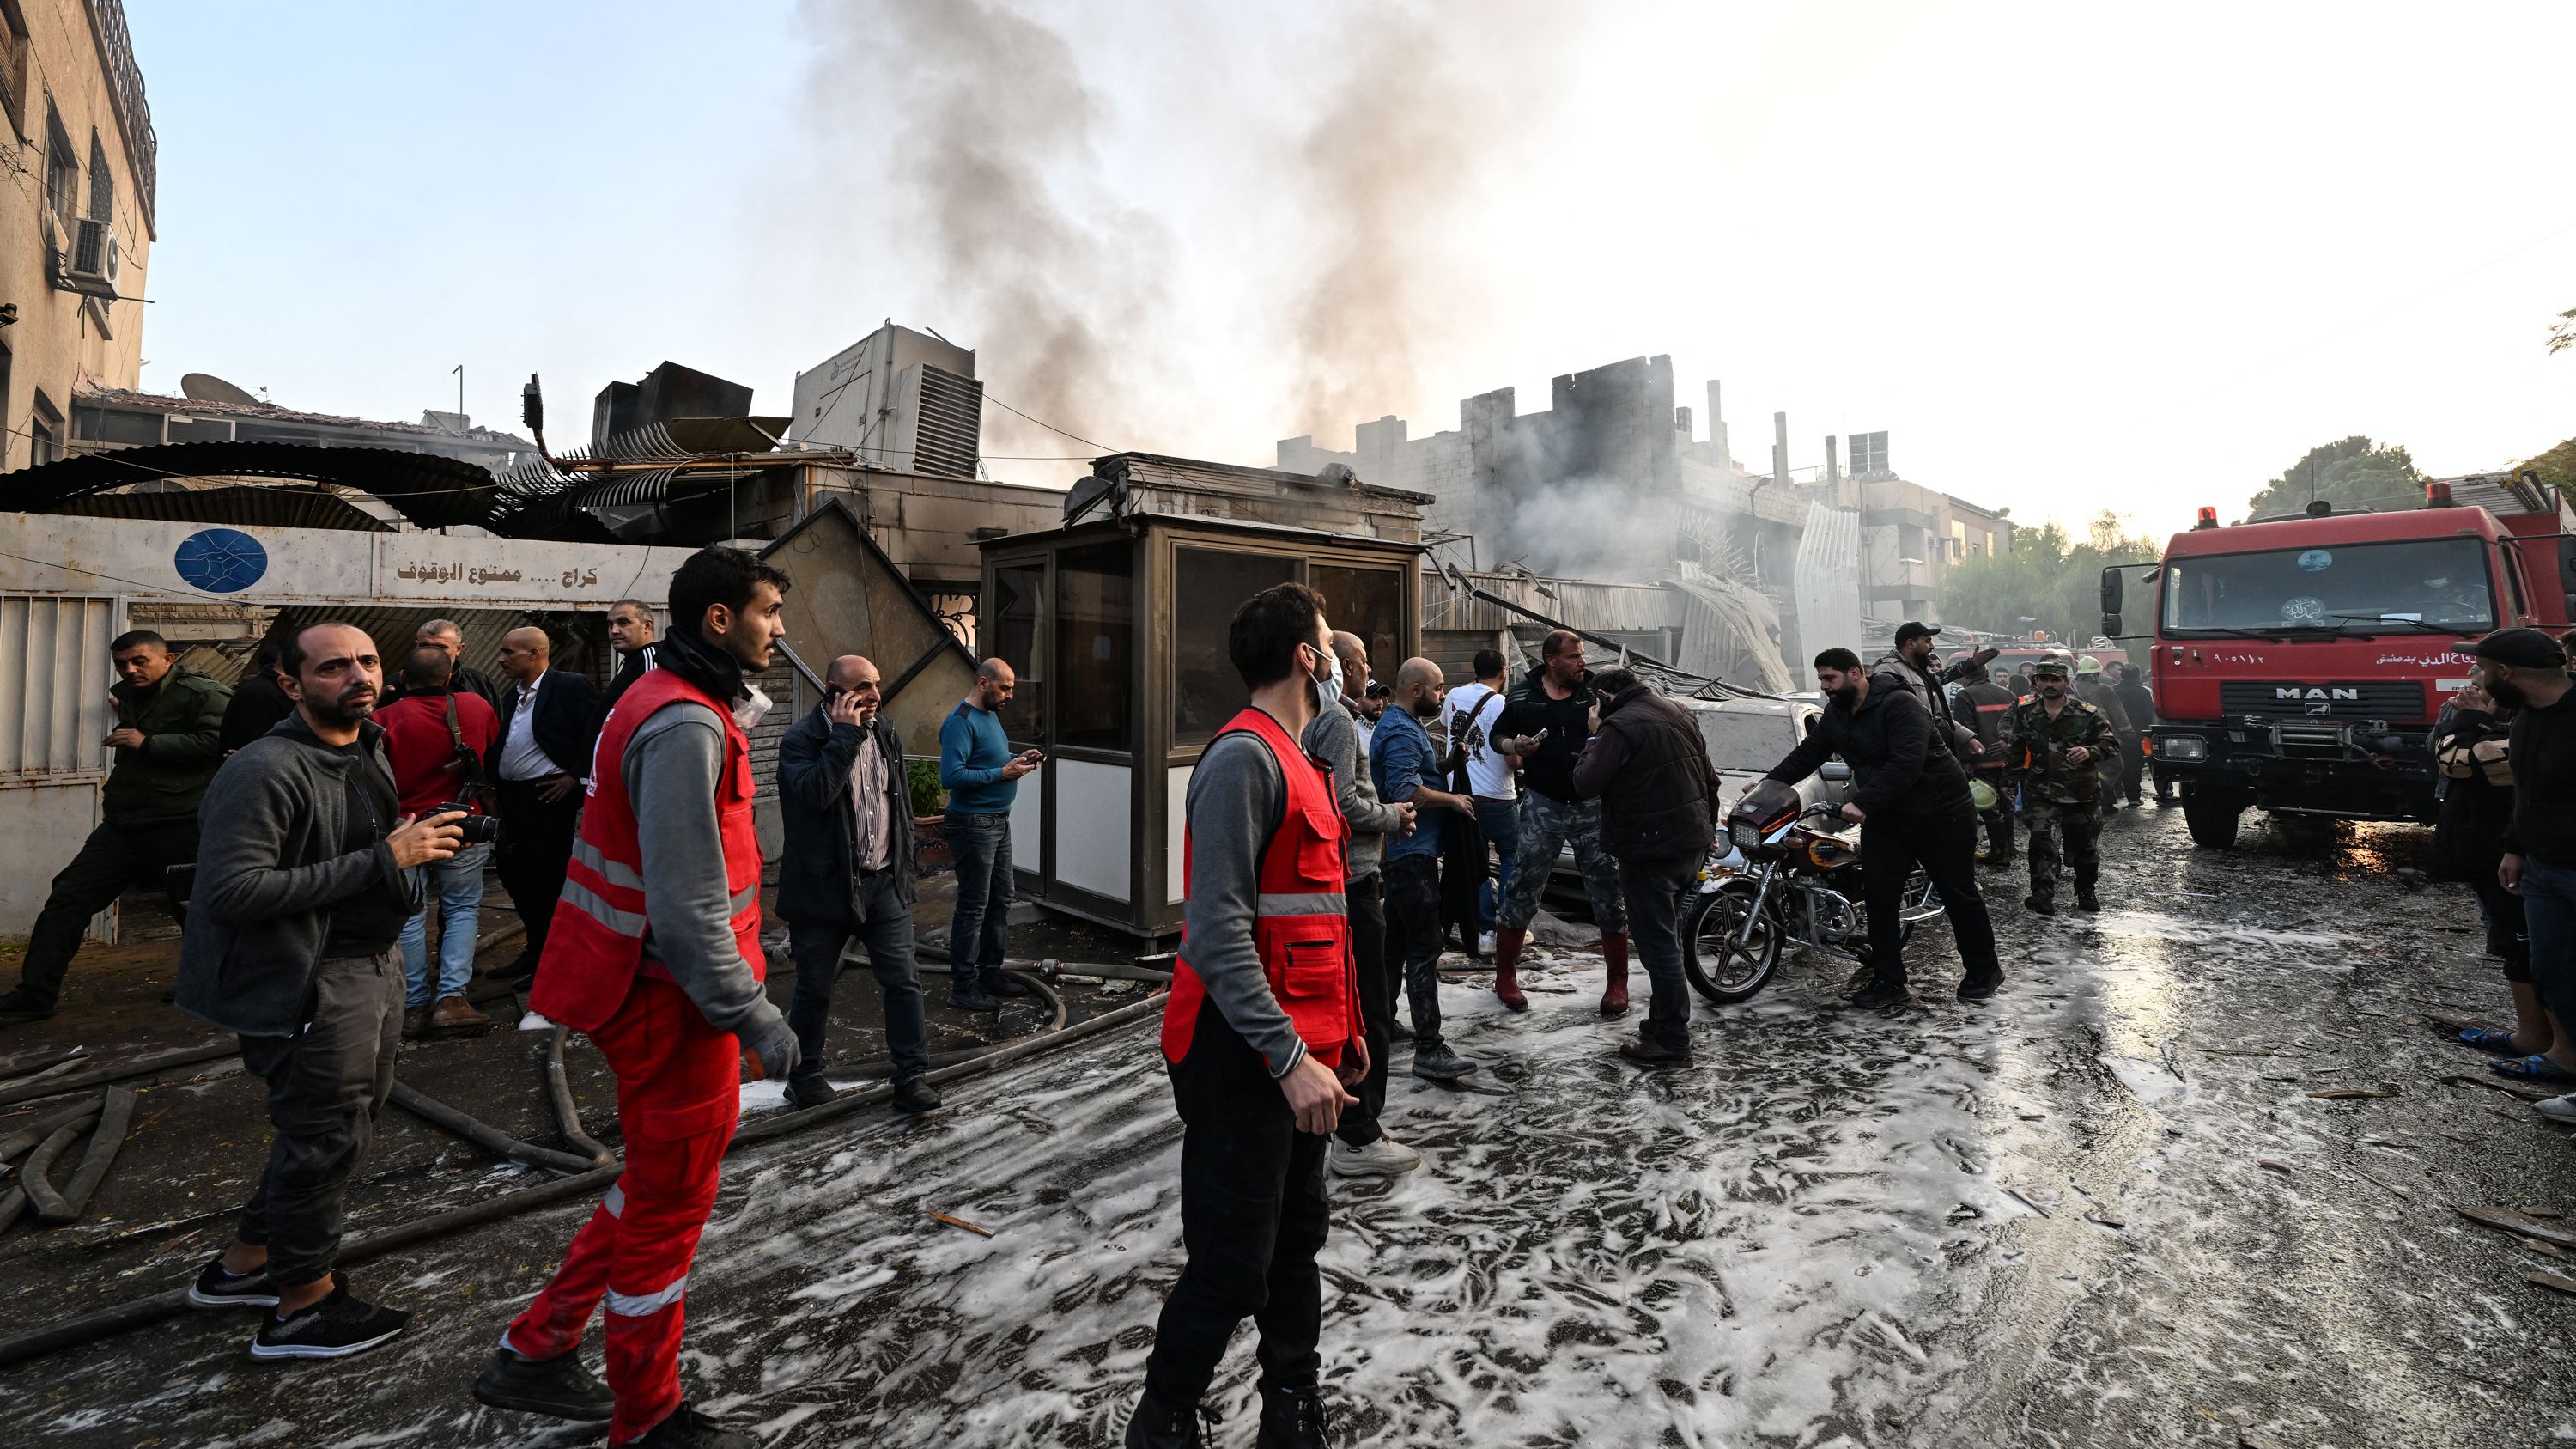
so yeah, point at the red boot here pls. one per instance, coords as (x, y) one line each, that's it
(1614, 950)
(1507, 967)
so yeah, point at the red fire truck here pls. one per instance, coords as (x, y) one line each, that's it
(2299, 662)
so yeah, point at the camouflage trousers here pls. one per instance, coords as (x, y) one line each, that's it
(2071, 829)
(1547, 827)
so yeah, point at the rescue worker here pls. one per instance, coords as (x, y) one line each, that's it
(1263, 1033)
(1910, 664)
(2093, 689)
(2059, 747)
(656, 954)
(1987, 705)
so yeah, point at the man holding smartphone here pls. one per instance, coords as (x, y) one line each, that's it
(982, 778)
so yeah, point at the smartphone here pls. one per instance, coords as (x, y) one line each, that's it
(1540, 737)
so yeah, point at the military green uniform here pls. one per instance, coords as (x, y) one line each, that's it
(2061, 802)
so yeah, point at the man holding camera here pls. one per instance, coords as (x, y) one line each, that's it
(289, 944)
(435, 738)
(846, 870)
(656, 954)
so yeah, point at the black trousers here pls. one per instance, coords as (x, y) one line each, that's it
(1998, 821)
(1414, 923)
(1945, 846)
(1367, 902)
(1253, 1217)
(1653, 890)
(535, 845)
(885, 929)
(2133, 769)
(113, 858)
(326, 1085)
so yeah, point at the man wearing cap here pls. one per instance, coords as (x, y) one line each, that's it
(2058, 748)
(1910, 664)
(2093, 689)
(2526, 671)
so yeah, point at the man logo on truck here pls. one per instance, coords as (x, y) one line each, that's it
(2292, 691)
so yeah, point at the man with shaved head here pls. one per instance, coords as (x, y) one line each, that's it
(1407, 771)
(847, 871)
(982, 777)
(549, 721)
(444, 634)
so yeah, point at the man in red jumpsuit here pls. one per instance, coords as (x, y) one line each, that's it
(655, 952)
(1263, 1033)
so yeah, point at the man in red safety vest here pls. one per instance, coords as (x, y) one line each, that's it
(1263, 1033)
(655, 952)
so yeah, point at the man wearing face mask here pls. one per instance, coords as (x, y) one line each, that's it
(1911, 800)
(2526, 671)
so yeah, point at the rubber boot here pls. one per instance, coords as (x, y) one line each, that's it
(1507, 966)
(1614, 996)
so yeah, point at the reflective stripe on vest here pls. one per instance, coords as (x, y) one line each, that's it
(595, 946)
(1301, 920)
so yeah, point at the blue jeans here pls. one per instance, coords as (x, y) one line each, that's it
(456, 884)
(977, 934)
(1500, 820)
(2549, 909)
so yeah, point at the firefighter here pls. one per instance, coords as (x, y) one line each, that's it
(1986, 707)
(656, 953)
(2059, 746)
(2093, 689)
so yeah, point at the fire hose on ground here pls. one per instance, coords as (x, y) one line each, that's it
(586, 1180)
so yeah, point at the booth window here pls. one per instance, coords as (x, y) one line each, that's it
(1094, 664)
(1208, 585)
(1010, 633)
(1369, 603)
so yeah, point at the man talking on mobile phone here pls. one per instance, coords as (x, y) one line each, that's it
(1263, 1034)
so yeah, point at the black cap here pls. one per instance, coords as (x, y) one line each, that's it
(2522, 649)
(1913, 629)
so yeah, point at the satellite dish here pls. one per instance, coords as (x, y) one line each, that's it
(206, 387)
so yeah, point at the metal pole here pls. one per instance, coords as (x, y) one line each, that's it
(459, 370)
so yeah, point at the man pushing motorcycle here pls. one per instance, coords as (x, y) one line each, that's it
(1911, 801)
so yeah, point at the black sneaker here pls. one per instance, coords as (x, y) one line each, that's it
(1978, 988)
(2086, 901)
(1650, 1054)
(686, 1428)
(340, 1324)
(1293, 1419)
(1005, 986)
(216, 1288)
(2039, 905)
(557, 1386)
(1397, 1030)
(1883, 994)
(24, 1005)
(912, 1094)
(970, 995)
(1157, 1425)
(810, 1090)
(1434, 1062)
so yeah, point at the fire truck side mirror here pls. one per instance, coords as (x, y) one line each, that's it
(2110, 596)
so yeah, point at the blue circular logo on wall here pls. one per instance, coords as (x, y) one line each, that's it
(220, 560)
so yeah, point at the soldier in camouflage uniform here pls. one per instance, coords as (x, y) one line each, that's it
(2057, 747)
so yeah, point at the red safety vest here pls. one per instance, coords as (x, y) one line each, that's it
(595, 945)
(1301, 925)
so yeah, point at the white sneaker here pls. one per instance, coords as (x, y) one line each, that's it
(534, 1021)
(1485, 944)
(1383, 1158)
(2562, 1108)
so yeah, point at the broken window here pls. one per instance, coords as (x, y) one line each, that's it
(1094, 663)
(1208, 585)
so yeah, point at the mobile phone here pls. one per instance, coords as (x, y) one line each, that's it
(1540, 737)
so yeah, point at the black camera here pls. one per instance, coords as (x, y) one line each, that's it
(478, 829)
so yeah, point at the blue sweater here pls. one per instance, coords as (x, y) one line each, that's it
(972, 752)
(1401, 758)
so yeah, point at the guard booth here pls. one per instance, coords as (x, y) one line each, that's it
(1116, 625)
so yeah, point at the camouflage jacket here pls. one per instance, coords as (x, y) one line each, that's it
(2037, 745)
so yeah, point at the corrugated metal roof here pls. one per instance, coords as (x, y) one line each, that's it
(246, 505)
(1153, 470)
(430, 490)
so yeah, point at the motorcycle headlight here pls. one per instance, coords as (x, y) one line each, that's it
(1744, 836)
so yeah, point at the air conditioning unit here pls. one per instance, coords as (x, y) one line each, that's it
(93, 253)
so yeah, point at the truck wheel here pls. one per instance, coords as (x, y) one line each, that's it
(2211, 814)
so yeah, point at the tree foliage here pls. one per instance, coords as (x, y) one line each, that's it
(2351, 473)
(2049, 576)
(2556, 467)
(2562, 332)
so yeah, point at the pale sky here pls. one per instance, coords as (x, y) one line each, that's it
(2067, 256)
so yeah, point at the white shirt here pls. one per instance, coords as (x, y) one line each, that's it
(520, 757)
(1473, 711)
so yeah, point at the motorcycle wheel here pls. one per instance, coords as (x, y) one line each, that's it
(1718, 969)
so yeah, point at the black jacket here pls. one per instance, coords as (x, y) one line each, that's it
(1988, 707)
(2137, 702)
(259, 702)
(1900, 768)
(1651, 773)
(627, 673)
(2476, 807)
(816, 866)
(566, 726)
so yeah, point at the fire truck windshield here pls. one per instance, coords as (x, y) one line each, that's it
(2422, 585)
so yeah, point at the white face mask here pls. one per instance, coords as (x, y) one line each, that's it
(747, 713)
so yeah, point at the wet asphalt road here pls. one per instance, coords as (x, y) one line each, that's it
(2044, 1221)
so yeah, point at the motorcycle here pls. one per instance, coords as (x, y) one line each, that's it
(1785, 874)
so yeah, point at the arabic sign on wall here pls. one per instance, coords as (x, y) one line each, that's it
(309, 565)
